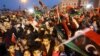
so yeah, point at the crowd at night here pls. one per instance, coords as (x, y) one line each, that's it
(41, 33)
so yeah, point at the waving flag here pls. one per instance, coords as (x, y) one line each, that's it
(93, 36)
(70, 42)
(86, 45)
(86, 42)
(67, 31)
(41, 3)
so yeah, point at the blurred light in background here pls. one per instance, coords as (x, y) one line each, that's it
(31, 10)
(24, 1)
(89, 6)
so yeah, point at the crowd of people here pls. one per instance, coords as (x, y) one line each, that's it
(23, 34)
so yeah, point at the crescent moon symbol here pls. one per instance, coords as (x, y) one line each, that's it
(89, 45)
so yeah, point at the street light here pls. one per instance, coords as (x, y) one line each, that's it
(24, 1)
(89, 6)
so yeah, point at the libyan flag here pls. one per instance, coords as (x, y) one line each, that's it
(87, 43)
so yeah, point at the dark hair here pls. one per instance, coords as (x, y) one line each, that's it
(36, 45)
(11, 44)
(47, 36)
(29, 27)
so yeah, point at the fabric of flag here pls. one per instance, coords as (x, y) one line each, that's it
(87, 45)
(60, 31)
(88, 48)
(41, 3)
(67, 31)
(38, 13)
(55, 53)
(76, 48)
(71, 44)
(93, 36)
(13, 38)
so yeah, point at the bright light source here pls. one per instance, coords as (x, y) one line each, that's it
(31, 10)
(88, 6)
(23, 1)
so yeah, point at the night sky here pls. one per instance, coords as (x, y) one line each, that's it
(14, 4)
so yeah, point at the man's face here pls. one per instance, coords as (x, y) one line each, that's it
(11, 49)
(37, 53)
(24, 41)
(46, 42)
(27, 53)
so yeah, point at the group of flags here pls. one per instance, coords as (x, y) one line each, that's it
(87, 44)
